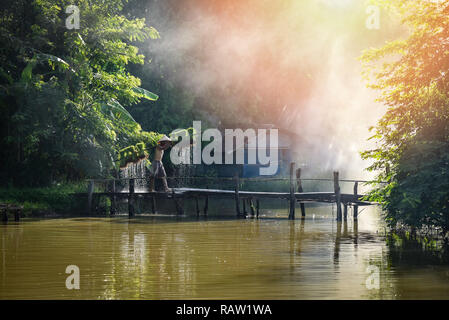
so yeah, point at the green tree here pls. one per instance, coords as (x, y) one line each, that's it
(412, 153)
(63, 92)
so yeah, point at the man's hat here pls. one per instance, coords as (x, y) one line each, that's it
(164, 139)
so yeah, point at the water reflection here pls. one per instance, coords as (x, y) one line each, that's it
(173, 258)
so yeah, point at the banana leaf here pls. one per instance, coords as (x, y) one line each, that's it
(146, 94)
(117, 111)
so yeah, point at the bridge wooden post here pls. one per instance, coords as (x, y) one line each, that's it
(153, 204)
(337, 195)
(251, 206)
(4, 213)
(237, 197)
(178, 203)
(17, 214)
(131, 211)
(292, 191)
(197, 207)
(90, 192)
(356, 207)
(257, 207)
(206, 205)
(300, 189)
(244, 206)
(345, 211)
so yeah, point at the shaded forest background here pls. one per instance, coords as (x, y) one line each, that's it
(67, 96)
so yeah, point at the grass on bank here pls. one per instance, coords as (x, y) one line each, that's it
(55, 199)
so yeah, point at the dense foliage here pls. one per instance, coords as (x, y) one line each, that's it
(63, 91)
(413, 136)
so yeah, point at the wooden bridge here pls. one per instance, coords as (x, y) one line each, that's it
(242, 198)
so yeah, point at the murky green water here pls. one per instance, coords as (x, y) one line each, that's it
(180, 258)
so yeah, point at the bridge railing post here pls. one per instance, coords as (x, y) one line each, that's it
(300, 189)
(345, 211)
(178, 203)
(4, 211)
(153, 204)
(17, 214)
(337, 195)
(244, 206)
(131, 198)
(197, 204)
(90, 192)
(292, 191)
(206, 204)
(257, 207)
(251, 207)
(356, 207)
(237, 197)
(113, 199)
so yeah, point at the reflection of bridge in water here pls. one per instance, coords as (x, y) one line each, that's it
(243, 199)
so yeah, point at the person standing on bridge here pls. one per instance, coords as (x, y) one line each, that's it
(157, 168)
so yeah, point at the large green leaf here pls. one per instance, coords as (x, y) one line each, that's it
(28, 71)
(44, 57)
(146, 94)
(116, 108)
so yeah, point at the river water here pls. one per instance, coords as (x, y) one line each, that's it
(169, 257)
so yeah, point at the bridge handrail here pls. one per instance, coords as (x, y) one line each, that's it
(241, 179)
(295, 181)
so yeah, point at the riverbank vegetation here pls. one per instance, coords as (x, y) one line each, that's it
(412, 137)
(63, 92)
(64, 95)
(44, 201)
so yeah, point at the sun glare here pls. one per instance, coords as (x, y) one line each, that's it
(337, 3)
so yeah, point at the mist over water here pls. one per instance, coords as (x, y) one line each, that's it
(293, 64)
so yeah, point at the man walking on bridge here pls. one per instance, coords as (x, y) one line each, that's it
(157, 168)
